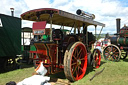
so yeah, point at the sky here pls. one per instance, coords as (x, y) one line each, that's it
(106, 11)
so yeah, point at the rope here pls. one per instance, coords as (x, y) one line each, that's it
(97, 73)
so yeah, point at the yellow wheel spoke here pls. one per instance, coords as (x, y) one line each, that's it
(74, 57)
(82, 59)
(79, 52)
(74, 63)
(75, 69)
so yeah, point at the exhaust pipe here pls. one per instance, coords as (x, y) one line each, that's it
(12, 12)
(118, 25)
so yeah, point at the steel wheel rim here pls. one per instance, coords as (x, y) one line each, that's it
(78, 62)
(112, 53)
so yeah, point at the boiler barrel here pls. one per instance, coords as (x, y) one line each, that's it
(113, 40)
(119, 40)
(122, 41)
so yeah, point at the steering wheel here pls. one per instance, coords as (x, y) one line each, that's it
(57, 34)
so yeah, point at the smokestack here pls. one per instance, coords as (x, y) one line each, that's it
(12, 11)
(118, 25)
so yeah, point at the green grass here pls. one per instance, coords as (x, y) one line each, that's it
(115, 73)
(16, 75)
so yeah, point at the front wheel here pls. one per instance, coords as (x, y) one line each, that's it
(96, 58)
(112, 53)
(75, 61)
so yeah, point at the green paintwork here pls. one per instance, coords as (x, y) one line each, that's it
(44, 37)
(10, 36)
(64, 30)
(121, 31)
(124, 32)
(22, 48)
(32, 48)
(126, 41)
(123, 41)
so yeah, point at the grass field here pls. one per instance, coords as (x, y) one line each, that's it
(115, 73)
(16, 75)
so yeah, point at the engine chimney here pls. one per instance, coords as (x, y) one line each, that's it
(118, 25)
(12, 11)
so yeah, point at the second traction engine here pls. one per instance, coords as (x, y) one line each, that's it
(122, 35)
(119, 44)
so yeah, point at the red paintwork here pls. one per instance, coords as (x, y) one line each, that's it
(39, 25)
(38, 10)
(98, 44)
(98, 57)
(39, 52)
(57, 39)
(121, 47)
(80, 72)
(49, 60)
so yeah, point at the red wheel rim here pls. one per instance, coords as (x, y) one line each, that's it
(97, 57)
(78, 62)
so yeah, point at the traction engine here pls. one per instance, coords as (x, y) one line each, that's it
(118, 48)
(61, 49)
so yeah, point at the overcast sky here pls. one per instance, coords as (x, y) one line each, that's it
(106, 11)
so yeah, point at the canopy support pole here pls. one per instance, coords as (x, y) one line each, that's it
(100, 33)
(51, 28)
(23, 40)
(85, 32)
(95, 32)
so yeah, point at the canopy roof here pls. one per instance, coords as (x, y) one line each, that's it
(59, 17)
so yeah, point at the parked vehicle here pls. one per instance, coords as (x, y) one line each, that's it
(118, 47)
(10, 41)
(59, 51)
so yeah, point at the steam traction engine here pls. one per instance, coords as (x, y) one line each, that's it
(118, 48)
(61, 49)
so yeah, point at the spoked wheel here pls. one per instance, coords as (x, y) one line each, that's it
(123, 54)
(96, 58)
(112, 52)
(75, 61)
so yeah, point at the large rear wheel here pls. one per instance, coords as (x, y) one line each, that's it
(75, 61)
